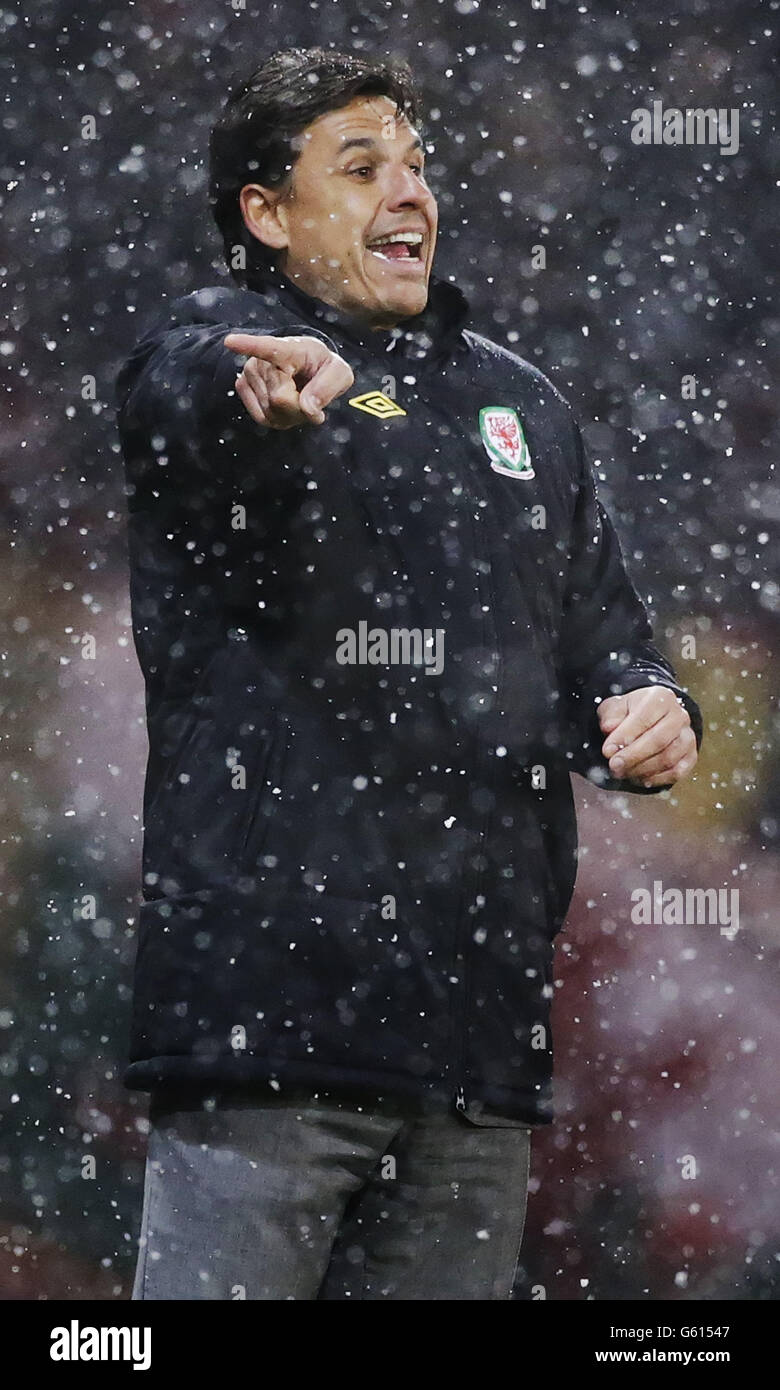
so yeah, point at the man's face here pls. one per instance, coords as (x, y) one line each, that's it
(358, 179)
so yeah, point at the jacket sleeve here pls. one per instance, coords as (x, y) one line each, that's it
(193, 456)
(180, 418)
(605, 636)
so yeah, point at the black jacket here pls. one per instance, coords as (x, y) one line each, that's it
(353, 873)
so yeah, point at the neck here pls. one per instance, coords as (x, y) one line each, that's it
(380, 322)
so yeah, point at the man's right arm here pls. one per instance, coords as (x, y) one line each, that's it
(198, 445)
(185, 396)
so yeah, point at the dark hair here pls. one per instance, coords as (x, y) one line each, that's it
(253, 140)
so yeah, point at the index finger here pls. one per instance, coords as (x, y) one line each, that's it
(612, 710)
(290, 354)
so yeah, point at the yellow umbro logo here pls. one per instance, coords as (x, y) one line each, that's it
(378, 404)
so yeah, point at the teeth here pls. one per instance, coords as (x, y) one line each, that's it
(413, 238)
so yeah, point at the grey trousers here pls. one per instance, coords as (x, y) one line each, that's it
(303, 1196)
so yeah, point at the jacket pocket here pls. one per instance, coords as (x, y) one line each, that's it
(265, 789)
(211, 801)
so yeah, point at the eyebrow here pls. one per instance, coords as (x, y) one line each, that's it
(367, 142)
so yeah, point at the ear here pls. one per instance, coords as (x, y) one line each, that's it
(263, 214)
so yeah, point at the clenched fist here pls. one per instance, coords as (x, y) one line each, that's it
(650, 739)
(287, 381)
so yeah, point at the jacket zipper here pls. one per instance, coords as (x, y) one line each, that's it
(459, 1024)
(462, 945)
(462, 948)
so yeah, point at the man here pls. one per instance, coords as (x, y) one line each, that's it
(382, 617)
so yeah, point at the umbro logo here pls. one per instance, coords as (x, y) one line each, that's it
(378, 404)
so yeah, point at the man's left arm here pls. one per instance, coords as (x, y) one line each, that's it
(632, 727)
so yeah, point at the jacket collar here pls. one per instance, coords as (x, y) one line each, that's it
(426, 339)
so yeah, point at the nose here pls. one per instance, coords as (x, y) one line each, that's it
(405, 189)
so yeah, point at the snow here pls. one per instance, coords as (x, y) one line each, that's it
(659, 267)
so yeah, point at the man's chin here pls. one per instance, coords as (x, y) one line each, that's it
(402, 303)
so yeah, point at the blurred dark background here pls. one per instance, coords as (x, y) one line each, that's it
(660, 264)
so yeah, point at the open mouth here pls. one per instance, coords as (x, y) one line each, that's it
(398, 248)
